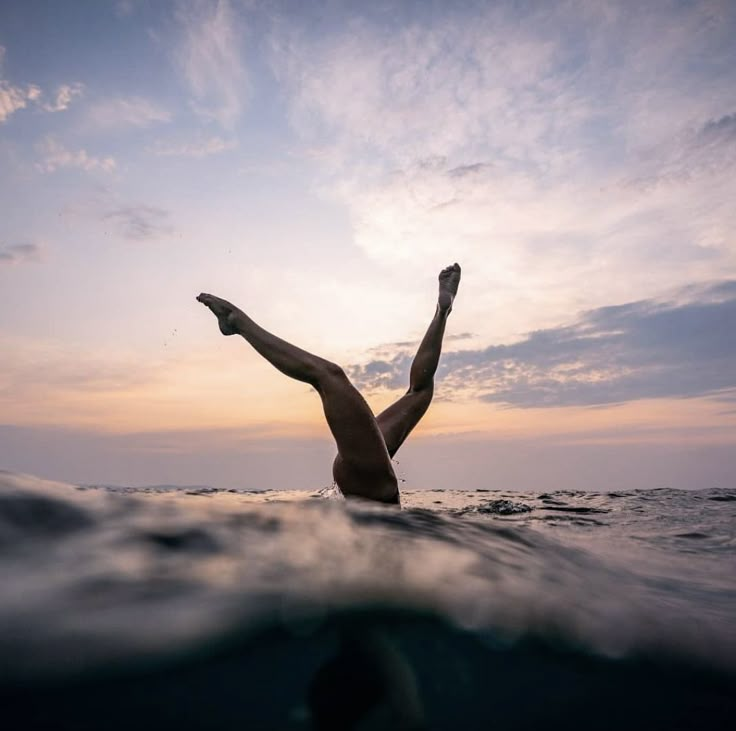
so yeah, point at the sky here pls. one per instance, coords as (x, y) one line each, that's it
(318, 164)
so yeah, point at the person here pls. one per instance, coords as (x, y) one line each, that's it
(365, 443)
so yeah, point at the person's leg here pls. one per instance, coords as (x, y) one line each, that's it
(365, 469)
(397, 421)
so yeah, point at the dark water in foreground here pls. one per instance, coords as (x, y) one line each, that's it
(192, 609)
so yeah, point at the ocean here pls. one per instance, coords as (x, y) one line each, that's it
(194, 608)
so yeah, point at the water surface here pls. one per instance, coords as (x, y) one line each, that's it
(193, 608)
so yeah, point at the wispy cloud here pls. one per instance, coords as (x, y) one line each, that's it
(194, 148)
(55, 156)
(131, 220)
(17, 253)
(684, 347)
(209, 57)
(64, 96)
(489, 79)
(131, 111)
(572, 138)
(140, 222)
(14, 98)
(694, 153)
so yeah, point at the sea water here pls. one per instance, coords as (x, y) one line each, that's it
(193, 608)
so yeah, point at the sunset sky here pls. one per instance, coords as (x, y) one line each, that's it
(318, 164)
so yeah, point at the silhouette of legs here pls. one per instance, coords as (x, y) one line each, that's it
(397, 421)
(365, 468)
(365, 444)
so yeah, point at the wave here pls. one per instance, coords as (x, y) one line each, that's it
(210, 610)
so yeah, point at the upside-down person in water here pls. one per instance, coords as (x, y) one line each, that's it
(365, 443)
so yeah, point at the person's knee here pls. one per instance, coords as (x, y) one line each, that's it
(423, 389)
(334, 372)
(329, 376)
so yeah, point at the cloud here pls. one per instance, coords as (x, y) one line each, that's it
(64, 96)
(14, 98)
(452, 337)
(472, 169)
(434, 88)
(522, 140)
(55, 156)
(708, 149)
(209, 58)
(16, 253)
(197, 148)
(134, 221)
(679, 348)
(140, 222)
(132, 111)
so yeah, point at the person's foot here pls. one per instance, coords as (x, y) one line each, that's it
(225, 313)
(449, 281)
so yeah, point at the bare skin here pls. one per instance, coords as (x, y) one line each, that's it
(365, 443)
